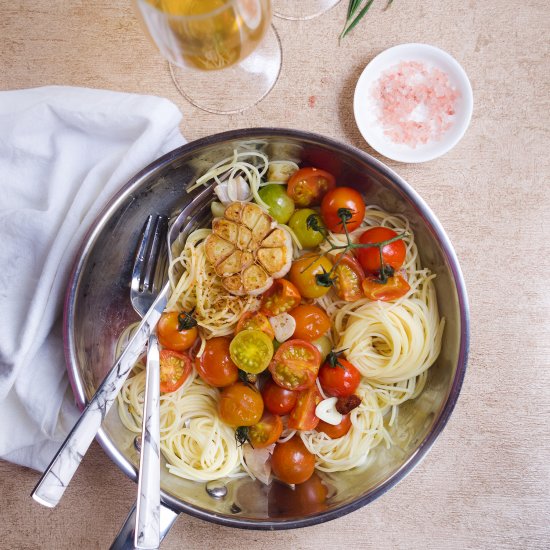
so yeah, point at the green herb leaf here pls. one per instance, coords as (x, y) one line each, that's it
(390, 2)
(360, 15)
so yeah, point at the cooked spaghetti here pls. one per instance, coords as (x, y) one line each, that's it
(391, 343)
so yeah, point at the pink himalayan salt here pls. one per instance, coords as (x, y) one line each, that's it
(417, 103)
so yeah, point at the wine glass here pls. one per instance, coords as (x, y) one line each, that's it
(301, 9)
(224, 56)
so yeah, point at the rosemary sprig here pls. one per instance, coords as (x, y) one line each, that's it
(352, 21)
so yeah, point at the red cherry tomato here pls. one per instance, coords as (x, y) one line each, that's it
(254, 320)
(266, 431)
(307, 186)
(278, 400)
(392, 289)
(280, 298)
(215, 365)
(174, 370)
(303, 415)
(341, 380)
(393, 254)
(335, 432)
(172, 333)
(311, 322)
(291, 461)
(240, 405)
(295, 365)
(342, 197)
(349, 276)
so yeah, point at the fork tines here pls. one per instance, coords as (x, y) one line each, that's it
(147, 257)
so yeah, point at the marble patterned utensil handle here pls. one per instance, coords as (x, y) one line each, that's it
(147, 533)
(59, 473)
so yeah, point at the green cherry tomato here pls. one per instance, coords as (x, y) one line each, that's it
(298, 223)
(281, 206)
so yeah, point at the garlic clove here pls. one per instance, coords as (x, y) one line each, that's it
(238, 189)
(326, 411)
(221, 191)
(217, 208)
(283, 325)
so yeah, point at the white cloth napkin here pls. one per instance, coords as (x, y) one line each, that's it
(63, 153)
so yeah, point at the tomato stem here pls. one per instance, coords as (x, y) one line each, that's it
(345, 214)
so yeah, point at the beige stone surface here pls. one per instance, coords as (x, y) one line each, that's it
(486, 482)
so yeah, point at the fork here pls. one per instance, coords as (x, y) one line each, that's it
(149, 273)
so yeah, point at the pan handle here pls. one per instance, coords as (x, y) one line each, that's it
(125, 537)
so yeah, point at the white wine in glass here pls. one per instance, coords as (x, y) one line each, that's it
(223, 54)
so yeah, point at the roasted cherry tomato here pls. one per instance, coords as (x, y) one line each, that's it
(311, 322)
(302, 500)
(280, 298)
(291, 461)
(174, 369)
(339, 380)
(266, 431)
(251, 350)
(342, 197)
(335, 432)
(215, 365)
(278, 400)
(348, 278)
(308, 237)
(309, 185)
(303, 415)
(177, 330)
(295, 365)
(254, 320)
(392, 289)
(240, 405)
(303, 274)
(393, 254)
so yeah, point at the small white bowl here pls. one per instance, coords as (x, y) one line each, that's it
(366, 109)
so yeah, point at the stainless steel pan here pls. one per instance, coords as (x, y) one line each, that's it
(98, 308)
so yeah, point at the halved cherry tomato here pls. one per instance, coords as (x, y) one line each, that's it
(280, 298)
(335, 432)
(291, 461)
(172, 332)
(174, 370)
(393, 254)
(303, 415)
(215, 365)
(308, 186)
(303, 499)
(311, 322)
(266, 431)
(348, 277)
(342, 197)
(340, 380)
(251, 350)
(303, 274)
(278, 400)
(254, 320)
(295, 365)
(392, 289)
(240, 405)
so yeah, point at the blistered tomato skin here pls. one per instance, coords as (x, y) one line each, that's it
(240, 405)
(291, 461)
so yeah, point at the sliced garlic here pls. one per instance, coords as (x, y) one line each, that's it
(326, 411)
(238, 189)
(279, 171)
(217, 208)
(221, 191)
(283, 325)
